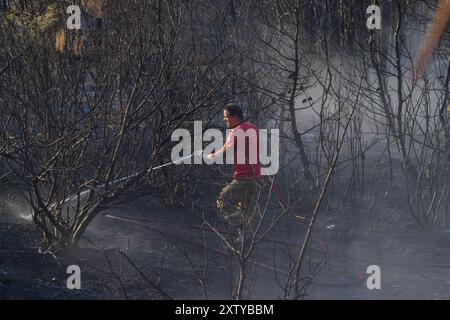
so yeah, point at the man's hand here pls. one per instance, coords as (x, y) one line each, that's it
(216, 153)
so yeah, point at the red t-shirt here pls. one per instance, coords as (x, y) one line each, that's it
(245, 140)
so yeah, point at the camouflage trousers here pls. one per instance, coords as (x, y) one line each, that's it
(237, 202)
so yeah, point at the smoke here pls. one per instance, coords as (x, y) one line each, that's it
(13, 205)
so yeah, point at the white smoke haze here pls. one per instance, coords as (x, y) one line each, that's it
(12, 203)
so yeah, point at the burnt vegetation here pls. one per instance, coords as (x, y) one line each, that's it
(83, 109)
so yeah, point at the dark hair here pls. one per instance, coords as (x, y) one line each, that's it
(234, 110)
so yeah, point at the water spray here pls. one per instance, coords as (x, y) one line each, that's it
(196, 153)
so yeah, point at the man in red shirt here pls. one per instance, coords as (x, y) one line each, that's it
(236, 203)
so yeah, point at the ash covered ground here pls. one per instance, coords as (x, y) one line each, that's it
(127, 251)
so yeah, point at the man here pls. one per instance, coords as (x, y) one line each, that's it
(236, 203)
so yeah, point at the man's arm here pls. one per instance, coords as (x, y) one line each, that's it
(218, 152)
(228, 144)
